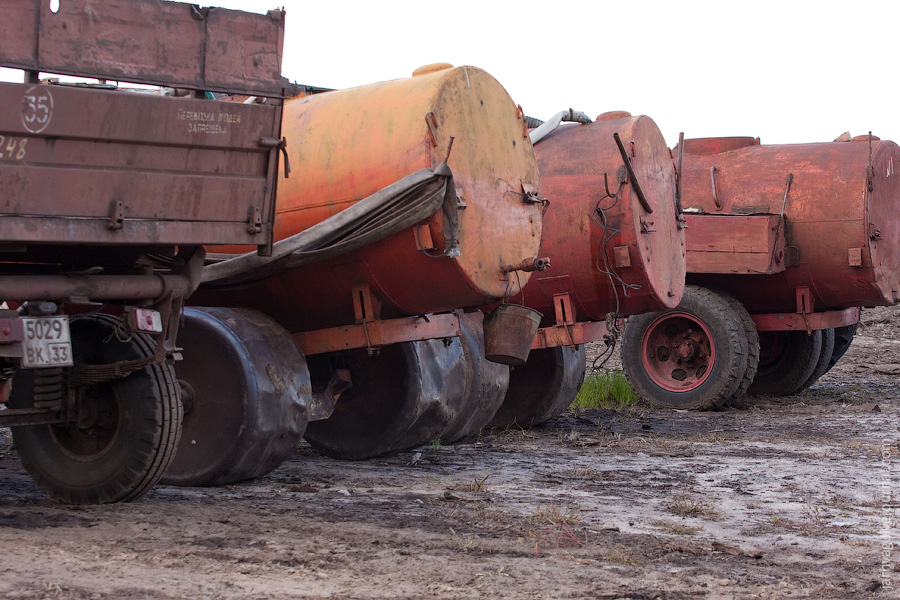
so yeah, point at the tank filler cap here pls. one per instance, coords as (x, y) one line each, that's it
(613, 114)
(432, 68)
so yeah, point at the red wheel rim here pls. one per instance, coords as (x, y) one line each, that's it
(678, 352)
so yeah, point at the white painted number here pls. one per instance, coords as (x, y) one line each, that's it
(37, 109)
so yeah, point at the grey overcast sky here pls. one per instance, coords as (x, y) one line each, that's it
(788, 71)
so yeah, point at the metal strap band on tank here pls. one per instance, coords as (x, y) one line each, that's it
(634, 182)
(787, 189)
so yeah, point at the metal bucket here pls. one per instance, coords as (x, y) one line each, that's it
(508, 333)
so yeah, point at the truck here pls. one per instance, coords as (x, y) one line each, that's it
(109, 193)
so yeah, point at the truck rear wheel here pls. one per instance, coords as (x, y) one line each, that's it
(126, 429)
(543, 388)
(246, 391)
(822, 365)
(787, 360)
(843, 337)
(692, 357)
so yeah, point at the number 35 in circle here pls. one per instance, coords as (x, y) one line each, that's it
(37, 108)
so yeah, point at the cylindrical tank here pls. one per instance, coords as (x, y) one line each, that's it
(607, 251)
(345, 145)
(841, 209)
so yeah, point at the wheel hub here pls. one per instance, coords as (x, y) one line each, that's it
(678, 351)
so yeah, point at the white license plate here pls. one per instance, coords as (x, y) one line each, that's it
(47, 342)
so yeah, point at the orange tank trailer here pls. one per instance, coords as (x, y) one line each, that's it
(345, 145)
(610, 253)
(392, 367)
(793, 238)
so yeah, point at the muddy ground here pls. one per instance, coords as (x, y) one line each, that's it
(781, 499)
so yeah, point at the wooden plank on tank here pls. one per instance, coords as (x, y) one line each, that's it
(734, 244)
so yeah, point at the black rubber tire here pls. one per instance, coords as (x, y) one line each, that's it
(824, 358)
(720, 314)
(248, 392)
(399, 399)
(787, 360)
(543, 388)
(121, 457)
(752, 336)
(487, 383)
(843, 337)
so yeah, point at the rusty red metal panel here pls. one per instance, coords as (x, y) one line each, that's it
(804, 322)
(147, 41)
(569, 335)
(106, 167)
(608, 252)
(734, 244)
(373, 334)
(841, 203)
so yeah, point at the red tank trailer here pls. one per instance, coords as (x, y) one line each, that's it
(616, 242)
(410, 199)
(108, 198)
(784, 243)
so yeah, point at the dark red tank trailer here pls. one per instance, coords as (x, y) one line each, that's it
(100, 185)
(784, 244)
(616, 241)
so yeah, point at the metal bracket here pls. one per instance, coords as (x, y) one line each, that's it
(116, 215)
(431, 121)
(254, 222)
(521, 115)
(715, 188)
(874, 233)
(460, 198)
(647, 226)
(804, 300)
(362, 304)
(267, 142)
(530, 194)
(565, 313)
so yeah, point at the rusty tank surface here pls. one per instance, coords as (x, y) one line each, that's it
(784, 244)
(347, 144)
(616, 241)
(839, 202)
(613, 249)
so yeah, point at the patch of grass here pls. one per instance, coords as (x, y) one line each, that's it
(676, 528)
(476, 486)
(690, 507)
(619, 556)
(586, 474)
(465, 544)
(554, 527)
(436, 444)
(604, 389)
